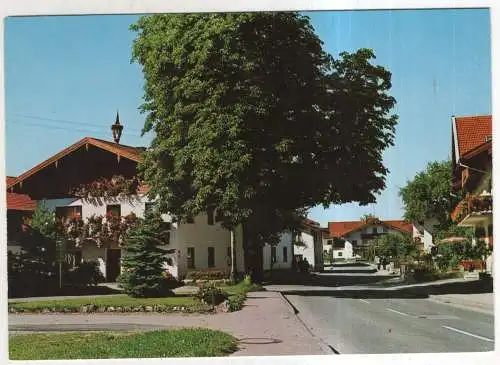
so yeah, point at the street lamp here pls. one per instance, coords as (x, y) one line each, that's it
(117, 129)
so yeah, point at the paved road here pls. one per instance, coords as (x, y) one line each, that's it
(393, 325)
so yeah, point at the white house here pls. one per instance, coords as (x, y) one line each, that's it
(279, 256)
(422, 231)
(352, 239)
(308, 244)
(93, 163)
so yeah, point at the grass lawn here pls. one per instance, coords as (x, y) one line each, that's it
(120, 300)
(108, 345)
(189, 302)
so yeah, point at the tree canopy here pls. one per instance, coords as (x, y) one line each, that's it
(399, 246)
(253, 119)
(428, 195)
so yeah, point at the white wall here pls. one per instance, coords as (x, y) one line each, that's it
(285, 241)
(199, 235)
(306, 251)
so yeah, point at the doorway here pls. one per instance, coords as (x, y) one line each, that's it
(113, 266)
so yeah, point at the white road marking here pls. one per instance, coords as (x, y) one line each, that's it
(364, 301)
(468, 334)
(398, 312)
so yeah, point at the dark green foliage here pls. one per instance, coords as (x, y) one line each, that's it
(143, 259)
(451, 254)
(399, 246)
(253, 119)
(86, 273)
(211, 294)
(34, 271)
(236, 302)
(425, 272)
(428, 195)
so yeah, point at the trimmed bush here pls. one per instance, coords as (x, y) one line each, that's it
(210, 294)
(87, 273)
(236, 302)
(425, 272)
(206, 275)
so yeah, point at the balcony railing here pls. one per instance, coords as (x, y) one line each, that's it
(473, 205)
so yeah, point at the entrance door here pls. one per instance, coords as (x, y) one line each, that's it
(113, 264)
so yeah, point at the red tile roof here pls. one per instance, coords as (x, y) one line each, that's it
(340, 229)
(129, 152)
(472, 132)
(19, 201)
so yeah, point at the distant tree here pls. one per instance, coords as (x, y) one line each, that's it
(254, 119)
(368, 217)
(144, 259)
(429, 194)
(399, 246)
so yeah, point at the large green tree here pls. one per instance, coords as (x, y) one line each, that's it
(254, 119)
(429, 194)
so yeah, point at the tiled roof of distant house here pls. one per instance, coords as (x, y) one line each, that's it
(471, 133)
(340, 229)
(129, 152)
(19, 201)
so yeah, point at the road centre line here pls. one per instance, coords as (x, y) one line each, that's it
(468, 334)
(398, 312)
(364, 301)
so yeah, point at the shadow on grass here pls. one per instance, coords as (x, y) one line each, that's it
(69, 291)
(420, 292)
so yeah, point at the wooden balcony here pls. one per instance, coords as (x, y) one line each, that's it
(473, 210)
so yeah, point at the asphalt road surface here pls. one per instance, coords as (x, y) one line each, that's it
(399, 325)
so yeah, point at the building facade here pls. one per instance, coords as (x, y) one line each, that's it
(353, 239)
(472, 174)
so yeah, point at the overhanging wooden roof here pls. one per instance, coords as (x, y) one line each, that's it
(128, 152)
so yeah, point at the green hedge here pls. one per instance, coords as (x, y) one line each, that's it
(207, 275)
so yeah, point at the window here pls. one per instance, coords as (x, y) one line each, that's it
(329, 242)
(148, 208)
(354, 242)
(210, 217)
(385, 230)
(73, 258)
(69, 212)
(340, 253)
(211, 257)
(273, 254)
(285, 254)
(190, 257)
(114, 210)
(374, 230)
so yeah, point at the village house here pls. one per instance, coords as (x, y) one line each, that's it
(353, 239)
(472, 174)
(93, 189)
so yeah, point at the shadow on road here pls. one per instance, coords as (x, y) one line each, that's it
(469, 287)
(324, 280)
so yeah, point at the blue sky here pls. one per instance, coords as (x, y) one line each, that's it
(66, 77)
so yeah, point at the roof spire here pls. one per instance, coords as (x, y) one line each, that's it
(117, 128)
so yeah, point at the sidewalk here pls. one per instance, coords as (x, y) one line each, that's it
(483, 302)
(266, 326)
